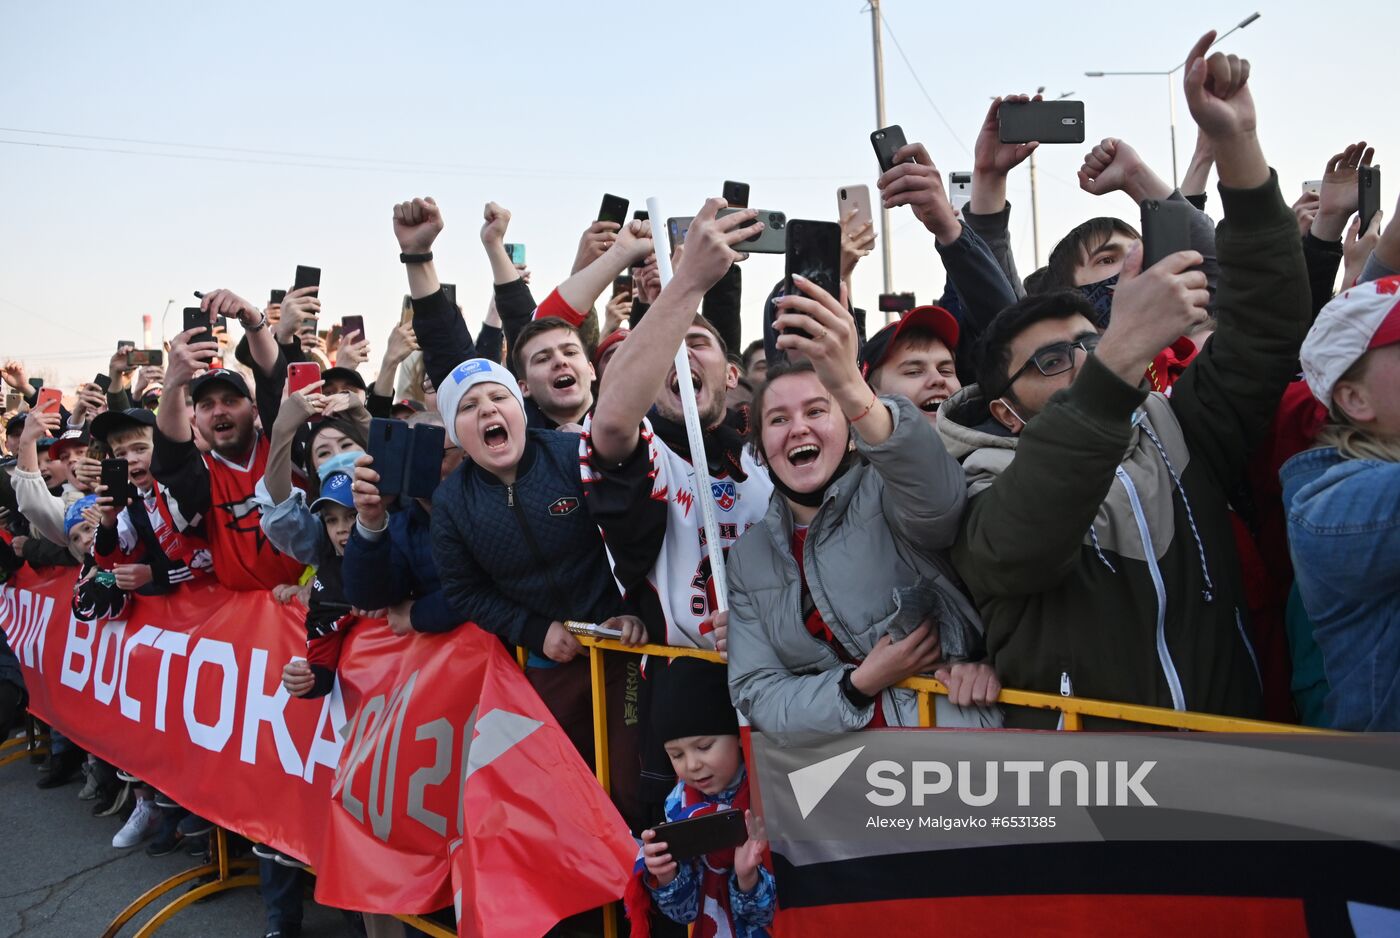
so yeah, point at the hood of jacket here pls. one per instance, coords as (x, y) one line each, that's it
(984, 447)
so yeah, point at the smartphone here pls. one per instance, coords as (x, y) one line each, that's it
(887, 142)
(641, 214)
(307, 277)
(1368, 193)
(389, 442)
(622, 284)
(13, 401)
(1041, 122)
(614, 208)
(36, 383)
(450, 290)
(771, 240)
(97, 450)
(145, 357)
(857, 198)
(1314, 186)
(49, 399)
(116, 476)
(707, 833)
(221, 323)
(103, 381)
(736, 194)
(814, 251)
(276, 297)
(1166, 229)
(516, 252)
(349, 324)
(896, 302)
(424, 468)
(124, 344)
(960, 189)
(196, 318)
(302, 375)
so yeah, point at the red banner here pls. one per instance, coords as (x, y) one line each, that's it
(427, 738)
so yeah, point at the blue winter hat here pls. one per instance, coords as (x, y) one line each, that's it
(335, 489)
(74, 515)
(464, 377)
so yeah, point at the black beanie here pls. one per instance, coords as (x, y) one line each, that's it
(691, 698)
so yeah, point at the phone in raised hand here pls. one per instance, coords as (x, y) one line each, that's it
(814, 252)
(517, 253)
(196, 318)
(857, 199)
(301, 375)
(1166, 229)
(887, 142)
(1368, 193)
(614, 209)
(1041, 122)
(349, 324)
(49, 399)
(736, 194)
(307, 277)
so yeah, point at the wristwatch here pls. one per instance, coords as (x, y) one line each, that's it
(858, 700)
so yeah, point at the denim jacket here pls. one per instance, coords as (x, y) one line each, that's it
(1344, 535)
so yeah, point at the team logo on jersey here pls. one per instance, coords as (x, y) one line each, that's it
(724, 494)
(563, 506)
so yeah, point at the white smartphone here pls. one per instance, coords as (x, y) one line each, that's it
(1314, 186)
(855, 198)
(960, 190)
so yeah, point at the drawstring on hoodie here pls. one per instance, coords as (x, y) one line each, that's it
(1094, 536)
(1208, 592)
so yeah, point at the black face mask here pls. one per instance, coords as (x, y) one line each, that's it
(1100, 296)
(813, 499)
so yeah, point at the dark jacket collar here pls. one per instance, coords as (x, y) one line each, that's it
(724, 445)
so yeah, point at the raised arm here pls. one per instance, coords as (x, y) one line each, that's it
(574, 297)
(442, 334)
(645, 358)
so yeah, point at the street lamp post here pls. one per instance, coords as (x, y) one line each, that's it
(1035, 192)
(1171, 91)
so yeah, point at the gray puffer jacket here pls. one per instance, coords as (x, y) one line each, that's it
(874, 546)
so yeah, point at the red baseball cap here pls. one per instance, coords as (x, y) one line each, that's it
(932, 319)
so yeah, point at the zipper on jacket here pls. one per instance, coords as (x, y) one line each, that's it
(519, 511)
(1066, 690)
(1164, 655)
(1249, 647)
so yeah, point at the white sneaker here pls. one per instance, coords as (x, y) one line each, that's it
(142, 824)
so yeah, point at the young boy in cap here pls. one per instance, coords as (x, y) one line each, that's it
(691, 711)
(43, 489)
(915, 357)
(139, 540)
(329, 616)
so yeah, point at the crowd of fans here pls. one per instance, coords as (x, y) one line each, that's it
(1171, 484)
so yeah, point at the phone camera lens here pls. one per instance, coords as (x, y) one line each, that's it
(843, 193)
(779, 219)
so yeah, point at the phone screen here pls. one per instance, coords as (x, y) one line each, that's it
(814, 252)
(736, 194)
(307, 277)
(349, 324)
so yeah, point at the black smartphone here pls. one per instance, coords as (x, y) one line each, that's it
(276, 297)
(424, 467)
(887, 142)
(450, 291)
(349, 324)
(307, 277)
(896, 302)
(1041, 122)
(221, 323)
(622, 284)
(1368, 193)
(641, 214)
(125, 344)
(115, 475)
(736, 194)
(103, 381)
(136, 357)
(614, 209)
(707, 833)
(196, 318)
(814, 251)
(1166, 229)
(388, 443)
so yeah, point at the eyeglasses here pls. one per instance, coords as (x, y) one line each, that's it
(1054, 359)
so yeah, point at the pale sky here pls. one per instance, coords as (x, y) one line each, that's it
(543, 106)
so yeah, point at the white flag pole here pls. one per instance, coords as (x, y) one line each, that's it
(661, 239)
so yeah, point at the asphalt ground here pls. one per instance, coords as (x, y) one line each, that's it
(60, 877)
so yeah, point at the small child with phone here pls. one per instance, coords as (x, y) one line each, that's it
(329, 616)
(691, 711)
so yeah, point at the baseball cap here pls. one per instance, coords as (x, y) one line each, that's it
(934, 319)
(114, 420)
(405, 407)
(67, 439)
(463, 378)
(335, 490)
(1357, 320)
(345, 374)
(219, 375)
(74, 515)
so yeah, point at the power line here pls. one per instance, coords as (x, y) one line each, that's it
(386, 166)
(927, 97)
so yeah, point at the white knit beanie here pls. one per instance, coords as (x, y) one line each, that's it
(464, 377)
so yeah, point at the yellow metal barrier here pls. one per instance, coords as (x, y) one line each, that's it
(227, 874)
(35, 742)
